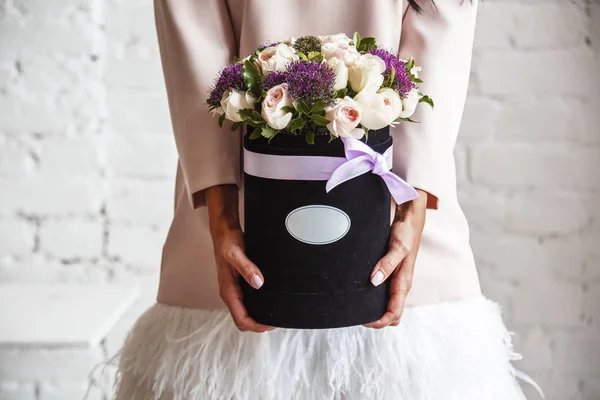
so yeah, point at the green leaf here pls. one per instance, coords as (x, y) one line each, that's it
(221, 119)
(366, 134)
(235, 59)
(268, 132)
(302, 107)
(410, 64)
(392, 75)
(288, 109)
(356, 39)
(236, 125)
(302, 55)
(332, 137)
(249, 115)
(417, 80)
(319, 106)
(296, 123)
(341, 93)
(310, 137)
(366, 44)
(256, 133)
(409, 120)
(252, 77)
(426, 99)
(319, 120)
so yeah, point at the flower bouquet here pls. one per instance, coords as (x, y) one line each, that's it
(317, 172)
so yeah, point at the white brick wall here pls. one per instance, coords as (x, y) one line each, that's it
(87, 162)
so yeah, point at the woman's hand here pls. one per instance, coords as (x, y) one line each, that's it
(399, 262)
(228, 243)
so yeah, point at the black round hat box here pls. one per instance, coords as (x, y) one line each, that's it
(315, 286)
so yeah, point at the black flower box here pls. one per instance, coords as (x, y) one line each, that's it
(315, 249)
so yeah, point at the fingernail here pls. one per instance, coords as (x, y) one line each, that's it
(377, 278)
(256, 281)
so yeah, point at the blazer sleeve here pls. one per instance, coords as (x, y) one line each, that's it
(440, 39)
(196, 40)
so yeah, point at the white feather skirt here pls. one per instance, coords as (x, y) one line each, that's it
(451, 351)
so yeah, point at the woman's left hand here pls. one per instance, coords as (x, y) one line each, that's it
(399, 262)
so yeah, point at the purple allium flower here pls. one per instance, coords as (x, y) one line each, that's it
(402, 81)
(268, 44)
(273, 79)
(229, 78)
(310, 81)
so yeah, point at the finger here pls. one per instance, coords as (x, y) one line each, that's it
(232, 295)
(236, 257)
(399, 288)
(398, 250)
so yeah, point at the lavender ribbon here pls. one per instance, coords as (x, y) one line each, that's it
(361, 158)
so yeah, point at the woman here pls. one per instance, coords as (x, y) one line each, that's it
(440, 339)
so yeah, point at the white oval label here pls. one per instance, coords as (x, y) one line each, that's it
(317, 224)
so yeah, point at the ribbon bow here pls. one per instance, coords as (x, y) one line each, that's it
(361, 158)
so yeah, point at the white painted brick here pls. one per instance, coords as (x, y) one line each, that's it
(7, 74)
(578, 352)
(536, 347)
(51, 10)
(510, 73)
(17, 237)
(153, 156)
(19, 111)
(35, 363)
(61, 157)
(68, 239)
(461, 158)
(121, 27)
(40, 269)
(592, 304)
(511, 256)
(495, 25)
(140, 246)
(594, 22)
(17, 391)
(141, 113)
(16, 159)
(135, 71)
(485, 210)
(54, 197)
(523, 165)
(592, 256)
(479, 121)
(549, 215)
(554, 25)
(141, 201)
(549, 303)
(533, 119)
(32, 38)
(65, 390)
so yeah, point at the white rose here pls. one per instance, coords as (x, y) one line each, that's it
(409, 104)
(345, 115)
(276, 58)
(337, 38)
(379, 108)
(338, 46)
(366, 72)
(341, 72)
(276, 98)
(234, 100)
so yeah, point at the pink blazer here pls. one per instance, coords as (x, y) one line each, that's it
(199, 37)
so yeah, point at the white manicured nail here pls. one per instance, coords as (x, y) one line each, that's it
(256, 281)
(377, 278)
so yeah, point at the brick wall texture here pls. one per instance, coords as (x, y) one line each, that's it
(87, 163)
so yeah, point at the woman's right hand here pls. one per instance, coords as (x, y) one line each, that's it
(228, 243)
